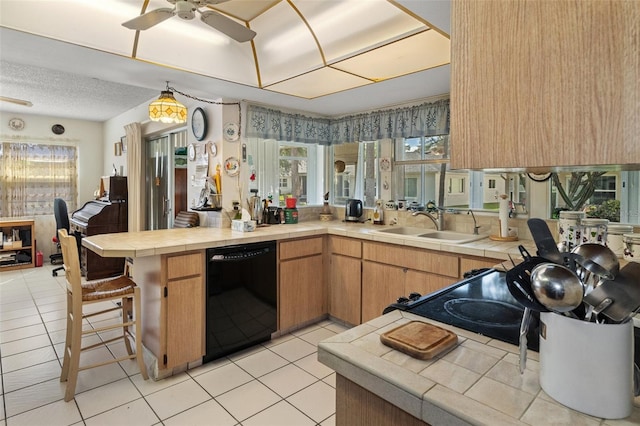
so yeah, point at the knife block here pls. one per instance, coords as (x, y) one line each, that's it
(587, 366)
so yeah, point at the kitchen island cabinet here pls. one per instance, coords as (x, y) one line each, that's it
(173, 316)
(542, 84)
(302, 295)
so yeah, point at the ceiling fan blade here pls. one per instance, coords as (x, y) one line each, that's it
(228, 26)
(16, 101)
(149, 19)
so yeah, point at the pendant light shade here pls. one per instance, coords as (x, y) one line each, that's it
(167, 109)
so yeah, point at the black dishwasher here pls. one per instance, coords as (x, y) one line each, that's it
(241, 297)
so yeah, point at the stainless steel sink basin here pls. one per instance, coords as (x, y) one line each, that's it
(434, 235)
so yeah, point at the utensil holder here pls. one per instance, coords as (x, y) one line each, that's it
(587, 366)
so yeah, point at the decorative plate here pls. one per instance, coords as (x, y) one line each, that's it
(57, 129)
(191, 152)
(539, 177)
(213, 149)
(16, 124)
(231, 132)
(385, 164)
(231, 166)
(199, 123)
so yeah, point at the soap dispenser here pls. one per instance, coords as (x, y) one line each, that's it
(378, 213)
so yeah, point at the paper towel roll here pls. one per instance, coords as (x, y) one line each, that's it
(504, 216)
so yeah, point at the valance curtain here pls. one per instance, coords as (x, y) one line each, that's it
(428, 119)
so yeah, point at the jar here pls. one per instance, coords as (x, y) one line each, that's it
(614, 237)
(570, 229)
(631, 247)
(290, 216)
(594, 230)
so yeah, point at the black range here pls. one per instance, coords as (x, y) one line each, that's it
(480, 303)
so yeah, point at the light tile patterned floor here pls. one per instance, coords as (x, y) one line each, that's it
(277, 383)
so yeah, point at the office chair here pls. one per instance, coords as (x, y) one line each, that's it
(62, 222)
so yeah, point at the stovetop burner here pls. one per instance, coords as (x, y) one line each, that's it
(492, 313)
(481, 304)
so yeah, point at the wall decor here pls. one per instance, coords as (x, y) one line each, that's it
(57, 129)
(16, 124)
(191, 152)
(123, 144)
(117, 149)
(231, 132)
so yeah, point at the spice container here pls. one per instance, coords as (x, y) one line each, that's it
(631, 247)
(594, 230)
(614, 237)
(570, 229)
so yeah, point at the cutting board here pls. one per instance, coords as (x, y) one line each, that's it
(419, 340)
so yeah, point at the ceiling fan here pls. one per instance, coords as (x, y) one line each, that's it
(186, 9)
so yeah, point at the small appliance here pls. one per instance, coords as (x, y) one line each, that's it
(353, 210)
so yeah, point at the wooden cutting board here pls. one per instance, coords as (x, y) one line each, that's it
(419, 340)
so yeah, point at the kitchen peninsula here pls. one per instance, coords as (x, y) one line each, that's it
(475, 383)
(169, 265)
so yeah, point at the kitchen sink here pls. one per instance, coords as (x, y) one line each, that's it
(426, 234)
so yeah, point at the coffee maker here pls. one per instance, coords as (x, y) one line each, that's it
(353, 210)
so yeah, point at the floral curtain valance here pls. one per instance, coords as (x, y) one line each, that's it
(427, 119)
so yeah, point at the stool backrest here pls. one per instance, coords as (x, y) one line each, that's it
(71, 262)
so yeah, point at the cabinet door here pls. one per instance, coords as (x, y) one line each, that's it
(345, 278)
(185, 313)
(424, 282)
(381, 285)
(544, 83)
(302, 296)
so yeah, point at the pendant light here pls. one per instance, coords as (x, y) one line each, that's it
(167, 109)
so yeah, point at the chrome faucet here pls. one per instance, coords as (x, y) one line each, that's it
(475, 224)
(438, 221)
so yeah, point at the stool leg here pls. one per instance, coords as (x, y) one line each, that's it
(138, 319)
(75, 349)
(126, 308)
(67, 342)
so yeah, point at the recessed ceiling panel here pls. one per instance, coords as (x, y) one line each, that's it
(416, 53)
(194, 46)
(245, 10)
(284, 45)
(319, 83)
(94, 24)
(346, 27)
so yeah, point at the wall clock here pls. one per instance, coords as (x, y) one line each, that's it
(57, 129)
(199, 124)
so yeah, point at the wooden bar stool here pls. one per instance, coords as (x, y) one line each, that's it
(79, 294)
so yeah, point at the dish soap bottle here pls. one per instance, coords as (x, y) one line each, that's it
(378, 213)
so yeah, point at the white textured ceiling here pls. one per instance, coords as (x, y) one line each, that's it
(66, 80)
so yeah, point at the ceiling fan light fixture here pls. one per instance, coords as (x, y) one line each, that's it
(167, 109)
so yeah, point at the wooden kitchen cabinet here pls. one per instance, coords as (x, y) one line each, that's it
(173, 307)
(538, 84)
(345, 279)
(18, 254)
(301, 295)
(390, 271)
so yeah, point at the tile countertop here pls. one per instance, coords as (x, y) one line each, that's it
(477, 382)
(165, 241)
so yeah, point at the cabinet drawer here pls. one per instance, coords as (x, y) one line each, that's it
(345, 246)
(412, 258)
(185, 265)
(300, 248)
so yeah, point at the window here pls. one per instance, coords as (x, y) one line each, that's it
(287, 169)
(355, 172)
(32, 175)
(492, 184)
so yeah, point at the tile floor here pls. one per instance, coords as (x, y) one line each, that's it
(276, 383)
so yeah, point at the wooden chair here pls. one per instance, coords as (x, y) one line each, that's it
(80, 294)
